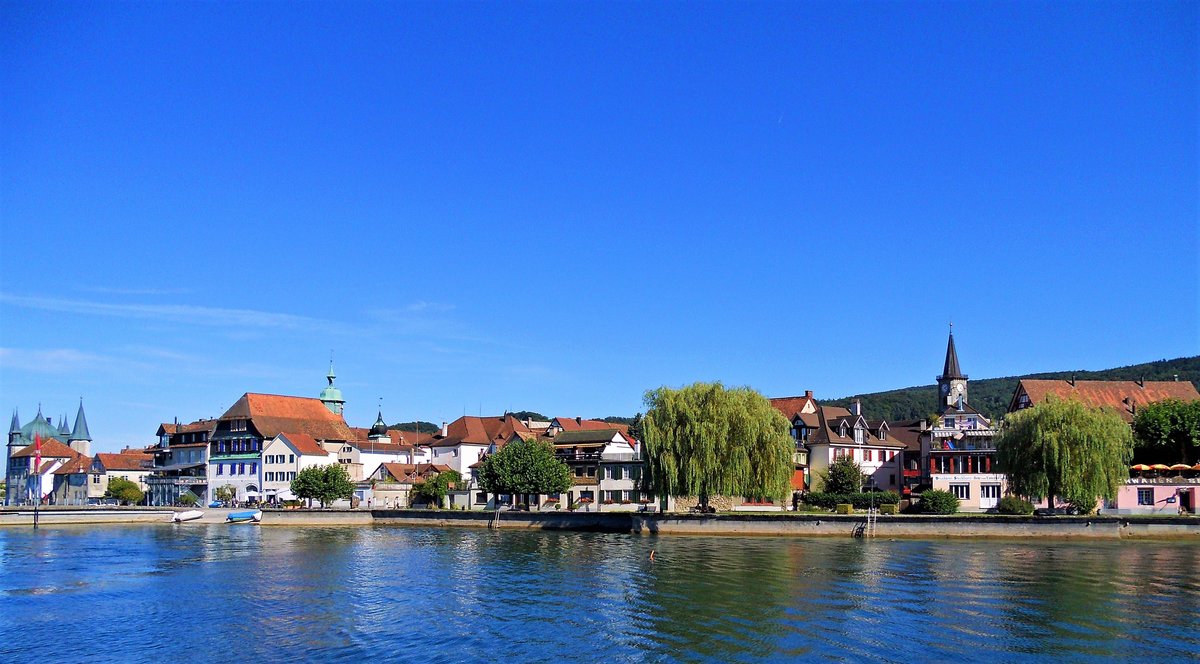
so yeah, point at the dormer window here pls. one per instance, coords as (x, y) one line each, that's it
(858, 435)
(237, 425)
(883, 434)
(842, 431)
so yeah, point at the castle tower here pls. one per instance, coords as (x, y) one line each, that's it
(332, 396)
(80, 439)
(952, 384)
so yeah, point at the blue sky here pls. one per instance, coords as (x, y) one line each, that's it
(556, 206)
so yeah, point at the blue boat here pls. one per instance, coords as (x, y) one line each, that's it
(244, 516)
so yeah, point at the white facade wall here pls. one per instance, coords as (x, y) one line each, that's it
(243, 475)
(885, 469)
(282, 462)
(978, 492)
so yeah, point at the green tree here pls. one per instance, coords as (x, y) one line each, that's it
(1171, 427)
(436, 488)
(188, 499)
(1064, 449)
(123, 490)
(705, 440)
(226, 493)
(324, 484)
(524, 467)
(843, 476)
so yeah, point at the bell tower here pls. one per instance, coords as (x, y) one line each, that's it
(952, 384)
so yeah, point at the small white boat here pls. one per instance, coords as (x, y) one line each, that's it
(190, 515)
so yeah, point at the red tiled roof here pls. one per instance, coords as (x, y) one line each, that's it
(124, 461)
(191, 427)
(51, 448)
(304, 443)
(1123, 396)
(580, 424)
(273, 414)
(407, 472)
(480, 431)
(79, 464)
(790, 406)
(381, 448)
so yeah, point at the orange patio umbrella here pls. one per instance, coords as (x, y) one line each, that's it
(1196, 467)
(1160, 466)
(1141, 467)
(1181, 466)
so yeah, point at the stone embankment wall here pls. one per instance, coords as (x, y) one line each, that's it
(786, 525)
(54, 515)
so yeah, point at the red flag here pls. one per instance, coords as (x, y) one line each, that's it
(37, 465)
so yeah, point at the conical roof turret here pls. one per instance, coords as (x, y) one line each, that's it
(951, 369)
(16, 423)
(80, 432)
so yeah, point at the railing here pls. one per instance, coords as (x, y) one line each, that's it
(577, 456)
(632, 456)
(962, 446)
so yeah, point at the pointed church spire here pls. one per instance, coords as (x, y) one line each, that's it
(16, 423)
(332, 396)
(80, 432)
(951, 368)
(62, 427)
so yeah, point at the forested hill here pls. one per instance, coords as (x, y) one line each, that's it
(991, 395)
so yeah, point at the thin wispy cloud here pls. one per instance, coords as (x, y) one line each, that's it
(422, 305)
(106, 290)
(179, 313)
(52, 360)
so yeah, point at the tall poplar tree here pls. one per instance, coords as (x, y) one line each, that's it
(1064, 449)
(705, 440)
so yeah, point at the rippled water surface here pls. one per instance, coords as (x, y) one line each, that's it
(246, 593)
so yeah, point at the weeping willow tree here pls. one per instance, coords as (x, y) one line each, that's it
(1064, 449)
(704, 440)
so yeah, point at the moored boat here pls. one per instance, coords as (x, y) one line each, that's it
(190, 515)
(244, 516)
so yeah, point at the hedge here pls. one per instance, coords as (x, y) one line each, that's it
(938, 502)
(860, 501)
(1014, 505)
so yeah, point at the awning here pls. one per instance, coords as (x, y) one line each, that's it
(286, 494)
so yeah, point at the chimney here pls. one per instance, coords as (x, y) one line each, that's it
(807, 394)
(578, 420)
(1072, 380)
(443, 433)
(856, 407)
(1176, 378)
(1141, 381)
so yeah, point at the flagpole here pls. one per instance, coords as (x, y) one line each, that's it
(37, 484)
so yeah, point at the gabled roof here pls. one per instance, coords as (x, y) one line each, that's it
(407, 472)
(51, 448)
(273, 414)
(470, 430)
(1123, 396)
(304, 444)
(907, 433)
(587, 436)
(828, 432)
(132, 461)
(580, 424)
(369, 447)
(78, 465)
(791, 406)
(169, 428)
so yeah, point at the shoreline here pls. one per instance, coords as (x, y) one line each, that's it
(787, 524)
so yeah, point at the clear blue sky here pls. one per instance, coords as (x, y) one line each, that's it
(556, 206)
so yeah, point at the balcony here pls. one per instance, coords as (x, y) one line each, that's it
(910, 473)
(967, 445)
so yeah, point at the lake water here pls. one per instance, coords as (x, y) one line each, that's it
(268, 594)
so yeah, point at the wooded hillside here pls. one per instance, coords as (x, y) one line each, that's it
(991, 395)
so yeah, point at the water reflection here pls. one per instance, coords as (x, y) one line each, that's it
(409, 594)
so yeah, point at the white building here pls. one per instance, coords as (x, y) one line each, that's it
(284, 456)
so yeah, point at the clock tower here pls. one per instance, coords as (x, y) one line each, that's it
(952, 384)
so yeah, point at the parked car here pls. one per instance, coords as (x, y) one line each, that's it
(216, 503)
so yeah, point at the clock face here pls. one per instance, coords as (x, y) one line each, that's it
(945, 388)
